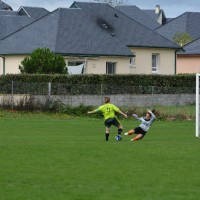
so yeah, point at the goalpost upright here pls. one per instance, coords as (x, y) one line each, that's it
(197, 105)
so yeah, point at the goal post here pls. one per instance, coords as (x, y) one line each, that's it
(197, 105)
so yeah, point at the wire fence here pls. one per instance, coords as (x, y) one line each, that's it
(23, 94)
(91, 89)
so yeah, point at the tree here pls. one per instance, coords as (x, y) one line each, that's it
(43, 61)
(113, 2)
(182, 38)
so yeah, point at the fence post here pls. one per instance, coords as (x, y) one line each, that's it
(12, 97)
(152, 93)
(49, 89)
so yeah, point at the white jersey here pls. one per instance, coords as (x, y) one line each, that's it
(145, 124)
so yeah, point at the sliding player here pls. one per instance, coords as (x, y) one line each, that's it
(143, 127)
(108, 110)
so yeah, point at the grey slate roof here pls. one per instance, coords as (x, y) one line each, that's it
(139, 15)
(33, 12)
(191, 48)
(4, 6)
(93, 29)
(188, 22)
(127, 30)
(11, 21)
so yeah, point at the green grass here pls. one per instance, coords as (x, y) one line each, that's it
(55, 157)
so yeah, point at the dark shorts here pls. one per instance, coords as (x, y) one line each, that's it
(139, 130)
(111, 121)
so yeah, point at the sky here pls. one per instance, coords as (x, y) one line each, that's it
(172, 8)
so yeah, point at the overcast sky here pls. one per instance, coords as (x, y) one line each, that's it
(172, 8)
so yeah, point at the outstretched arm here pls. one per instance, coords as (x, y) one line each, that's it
(125, 115)
(93, 111)
(136, 117)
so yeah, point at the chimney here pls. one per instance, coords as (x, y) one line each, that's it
(157, 9)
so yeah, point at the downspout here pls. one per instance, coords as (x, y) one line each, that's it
(4, 68)
(175, 61)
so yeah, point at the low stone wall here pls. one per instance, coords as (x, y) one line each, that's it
(95, 100)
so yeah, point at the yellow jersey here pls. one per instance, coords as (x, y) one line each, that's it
(108, 110)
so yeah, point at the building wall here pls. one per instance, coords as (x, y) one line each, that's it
(125, 100)
(188, 64)
(11, 64)
(143, 61)
(97, 65)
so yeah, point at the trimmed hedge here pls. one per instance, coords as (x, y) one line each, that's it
(125, 80)
(98, 84)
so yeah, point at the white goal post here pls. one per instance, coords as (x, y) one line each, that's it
(197, 105)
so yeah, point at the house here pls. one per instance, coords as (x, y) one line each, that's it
(97, 35)
(188, 60)
(188, 22)
(152, 19)
(11, 21)
(139, 15)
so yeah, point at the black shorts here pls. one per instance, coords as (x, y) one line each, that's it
(111, 121)
(139, 130)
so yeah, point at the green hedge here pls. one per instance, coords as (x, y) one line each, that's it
(99, 84)
(126, 80)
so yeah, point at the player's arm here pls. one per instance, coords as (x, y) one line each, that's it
(93, 111)
(152, 114)
(125, 115)
(138, 118)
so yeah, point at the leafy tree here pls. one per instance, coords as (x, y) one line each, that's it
(182, 38)
(43, 61)
(113, 2)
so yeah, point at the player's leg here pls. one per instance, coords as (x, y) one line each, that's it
(107, 124)
(140, 134)
(130, 132)
(107, 133)
(120, 129)
(138, 137)
(117, 123)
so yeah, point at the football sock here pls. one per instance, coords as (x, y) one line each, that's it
(136, 138)
(107, 136)
(119, 131)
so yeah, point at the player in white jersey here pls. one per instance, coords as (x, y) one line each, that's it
(142, 129)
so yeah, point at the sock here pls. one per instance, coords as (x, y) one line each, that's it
(120, 131)
(107, 136)
(136, 138)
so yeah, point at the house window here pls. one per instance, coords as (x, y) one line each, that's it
(132, 60)
(75, 63)
(155, 62)
(110, 68)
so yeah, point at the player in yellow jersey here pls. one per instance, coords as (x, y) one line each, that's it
(108, 110)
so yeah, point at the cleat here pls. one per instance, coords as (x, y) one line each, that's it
(126, 133)
(132, 139)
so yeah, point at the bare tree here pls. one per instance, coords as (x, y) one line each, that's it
(114, 2)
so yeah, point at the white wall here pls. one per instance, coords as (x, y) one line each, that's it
(98, 65)
(144, 60)
(11, 64)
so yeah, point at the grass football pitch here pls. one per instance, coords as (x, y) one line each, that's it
(60, 158)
